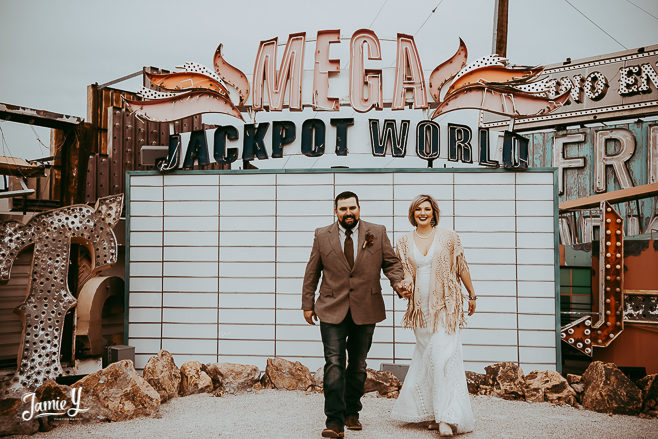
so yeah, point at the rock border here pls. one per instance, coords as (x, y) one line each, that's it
(602, 387)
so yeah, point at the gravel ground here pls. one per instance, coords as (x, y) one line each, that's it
(288, 414)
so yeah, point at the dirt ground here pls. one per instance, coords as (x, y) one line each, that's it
(294, 414)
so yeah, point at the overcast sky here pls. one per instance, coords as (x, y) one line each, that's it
(51, 50)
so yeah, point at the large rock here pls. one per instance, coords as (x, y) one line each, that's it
(608, 390)
(318, 379)
(232, 378)
(284, 374)
(384, 382)
(193, 379)
(649, 387)
(116, 393)
(574, 379)
(576, 383)
(549, 386)
(473, 381)
(504, 380)
(12, 409)
(51, 391)
(163, 375)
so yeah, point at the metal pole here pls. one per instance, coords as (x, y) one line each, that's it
(499, 40)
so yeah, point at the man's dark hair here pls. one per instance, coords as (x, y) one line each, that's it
(344, 196)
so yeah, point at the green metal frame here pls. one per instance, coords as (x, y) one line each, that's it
(556, 247)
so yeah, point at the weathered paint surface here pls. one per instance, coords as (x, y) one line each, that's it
(48, 299)
(579, 181)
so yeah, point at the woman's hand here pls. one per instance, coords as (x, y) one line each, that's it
(471, 306)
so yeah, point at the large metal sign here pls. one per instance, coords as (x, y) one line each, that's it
(48, 298)
(622, 84)
(600, 159)
(216, 261)
(253, 106)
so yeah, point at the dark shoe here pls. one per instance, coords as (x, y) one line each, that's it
(333, 431)
(352, 423)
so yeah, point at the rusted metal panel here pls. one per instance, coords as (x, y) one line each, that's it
(102, 176)
(98, 102)
(163, 129)
(646, 190)
(20, 167)
(197, 123)
(128, 141)
(116, 151)
(140, 140)
(37, 117)
(186, 125)
(641, 306)
(90, 186)
(634, 347)
(153, 133)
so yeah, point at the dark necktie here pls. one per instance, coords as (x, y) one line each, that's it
(348, 248)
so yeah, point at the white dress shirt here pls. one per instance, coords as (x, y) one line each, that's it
(355, 238)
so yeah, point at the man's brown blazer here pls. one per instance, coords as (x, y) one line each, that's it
(342, 289)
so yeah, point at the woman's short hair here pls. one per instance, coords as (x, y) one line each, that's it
(420, 199)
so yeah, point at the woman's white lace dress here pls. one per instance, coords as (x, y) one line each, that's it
(435, 386)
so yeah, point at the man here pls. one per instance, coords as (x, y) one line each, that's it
(349, 256)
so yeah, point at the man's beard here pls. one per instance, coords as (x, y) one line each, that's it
(348, 226)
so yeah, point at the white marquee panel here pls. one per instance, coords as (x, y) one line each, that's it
(217, 261)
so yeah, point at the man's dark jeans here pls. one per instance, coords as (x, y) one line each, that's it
(343, 387)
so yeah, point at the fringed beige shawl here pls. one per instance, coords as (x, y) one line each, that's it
(445, 288)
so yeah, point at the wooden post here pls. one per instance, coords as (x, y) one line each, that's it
(500, 27)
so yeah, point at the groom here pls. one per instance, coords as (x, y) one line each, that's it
(349, 256)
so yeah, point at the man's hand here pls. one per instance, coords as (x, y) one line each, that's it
(309, 316)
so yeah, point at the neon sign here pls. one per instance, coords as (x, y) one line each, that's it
(489, 84)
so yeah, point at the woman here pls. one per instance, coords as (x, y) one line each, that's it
(433, 261)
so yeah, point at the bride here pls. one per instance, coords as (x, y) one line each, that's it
(435, 386)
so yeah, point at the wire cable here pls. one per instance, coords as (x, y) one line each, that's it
(39, 139)
(428, 17)
(594, 23)
(378, 12)
(642, 9)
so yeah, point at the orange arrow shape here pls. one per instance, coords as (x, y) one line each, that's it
(180, 81)
(498, 74)
(447, 70)
(183, 105)
(233, 76)
(499, 100)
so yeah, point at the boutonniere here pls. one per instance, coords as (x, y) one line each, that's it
(369, 239)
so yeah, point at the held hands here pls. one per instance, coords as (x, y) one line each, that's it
(404, 288)
(310, 316)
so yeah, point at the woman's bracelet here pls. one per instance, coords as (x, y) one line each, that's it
(472, 297)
